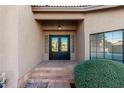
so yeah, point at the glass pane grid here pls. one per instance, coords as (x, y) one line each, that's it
(92, 37)
(93, 43)
(93, 49)
(109, 45)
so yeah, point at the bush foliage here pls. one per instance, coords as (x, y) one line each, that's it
(99, 74)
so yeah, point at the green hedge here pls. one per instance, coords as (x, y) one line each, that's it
(99, 74)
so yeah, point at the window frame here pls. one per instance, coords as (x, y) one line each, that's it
(104, 45)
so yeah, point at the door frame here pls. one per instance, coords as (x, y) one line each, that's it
(59, 46)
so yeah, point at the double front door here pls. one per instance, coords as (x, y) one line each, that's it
(59, 47)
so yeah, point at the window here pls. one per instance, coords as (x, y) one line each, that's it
(107, 45)
(73, 44)
(46, 43)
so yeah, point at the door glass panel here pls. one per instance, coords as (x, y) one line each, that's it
(55, 44)
(64, 44)
(46, 43)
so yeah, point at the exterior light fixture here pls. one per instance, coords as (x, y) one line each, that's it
(59, 27)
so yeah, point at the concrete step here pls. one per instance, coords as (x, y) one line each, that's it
(49, 69)
(49, 84)
(38, 80)
(56, 75)
(59, 85)
(51, 76)
(53, 72)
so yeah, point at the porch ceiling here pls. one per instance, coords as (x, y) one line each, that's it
(52, 25)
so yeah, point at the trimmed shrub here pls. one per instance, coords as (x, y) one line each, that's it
(99, 74)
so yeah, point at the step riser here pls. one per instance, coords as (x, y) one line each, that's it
(37, 81)
(56, 71)
(51, 74)
(38, 76)
(49, 69)
(50, 80)
(55, 77)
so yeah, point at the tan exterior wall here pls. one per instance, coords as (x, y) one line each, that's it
(30, 40)
(101, 21)
(9, 44)
(1, 41)
(80, 41)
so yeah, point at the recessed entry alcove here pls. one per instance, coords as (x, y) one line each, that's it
(60, 39)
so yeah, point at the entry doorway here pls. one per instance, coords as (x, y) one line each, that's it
(59, 47)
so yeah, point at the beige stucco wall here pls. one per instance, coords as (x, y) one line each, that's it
(9, 44)
(80, 41)
(30, 40)
(1, 34)
(20, 42)
(101, 21)
(1, 41)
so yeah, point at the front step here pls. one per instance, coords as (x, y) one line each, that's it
(48, 69)
(52, 70)
(46, 80)
(52, 83)
(53, 76)
(59, 85)
(37, 80)
(48, 85)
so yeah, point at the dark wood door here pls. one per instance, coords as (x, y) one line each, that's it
(59, 47)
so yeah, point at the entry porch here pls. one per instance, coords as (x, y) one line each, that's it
(52, 74)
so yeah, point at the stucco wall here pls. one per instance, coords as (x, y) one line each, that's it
(20, 42)
(30, 40)
(1, 34)
(80, 41)
(101, 21)
(8, 43)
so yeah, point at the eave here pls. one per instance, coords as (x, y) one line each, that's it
(72, 9)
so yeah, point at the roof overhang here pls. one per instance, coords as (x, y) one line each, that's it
(38, 8)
